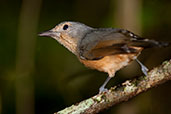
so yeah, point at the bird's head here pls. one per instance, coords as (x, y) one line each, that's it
(68, 34)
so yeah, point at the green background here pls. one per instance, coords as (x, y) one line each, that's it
(37, 75)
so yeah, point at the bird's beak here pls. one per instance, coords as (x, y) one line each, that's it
(50, 33)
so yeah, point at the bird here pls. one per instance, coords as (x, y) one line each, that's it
(104, 49)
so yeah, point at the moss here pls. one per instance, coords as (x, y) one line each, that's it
(100, 98)
(112, 89)
(165, 62)
(79, 108)
(129, 87)
(167, 65)
(105, 98)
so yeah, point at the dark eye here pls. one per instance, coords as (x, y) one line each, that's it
(65, 27)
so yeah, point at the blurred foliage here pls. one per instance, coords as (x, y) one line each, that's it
(59, 78)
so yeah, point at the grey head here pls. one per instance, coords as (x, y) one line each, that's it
(68, 33)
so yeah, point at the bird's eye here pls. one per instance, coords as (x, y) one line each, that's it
(65, 27)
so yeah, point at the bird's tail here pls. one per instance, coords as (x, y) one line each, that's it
(147, 43)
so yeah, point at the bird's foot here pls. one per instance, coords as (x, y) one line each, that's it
(102, 89)
(144, 70)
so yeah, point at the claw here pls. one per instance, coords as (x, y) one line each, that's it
(102, 89)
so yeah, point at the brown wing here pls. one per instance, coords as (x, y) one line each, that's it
(104, 42)
(121, 48)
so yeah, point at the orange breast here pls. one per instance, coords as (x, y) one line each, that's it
(110, 64)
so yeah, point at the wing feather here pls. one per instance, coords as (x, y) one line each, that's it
(104, 42)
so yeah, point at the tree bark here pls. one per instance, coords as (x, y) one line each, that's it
(122, 92)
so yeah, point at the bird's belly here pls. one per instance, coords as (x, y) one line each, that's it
(110, 64)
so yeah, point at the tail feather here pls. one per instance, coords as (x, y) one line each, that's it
(146, 43)
(163, 44)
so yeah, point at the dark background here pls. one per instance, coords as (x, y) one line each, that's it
(37, 75)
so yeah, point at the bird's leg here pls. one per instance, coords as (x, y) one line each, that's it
(102, 88)
(143, 68)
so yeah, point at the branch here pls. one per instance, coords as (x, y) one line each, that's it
(123, 92)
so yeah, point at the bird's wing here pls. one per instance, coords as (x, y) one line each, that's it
(104, 42)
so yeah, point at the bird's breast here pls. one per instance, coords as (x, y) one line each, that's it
(110, 64)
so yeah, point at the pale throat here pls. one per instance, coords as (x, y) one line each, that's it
(68, 43)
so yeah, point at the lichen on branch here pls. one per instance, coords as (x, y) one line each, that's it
(123, 92)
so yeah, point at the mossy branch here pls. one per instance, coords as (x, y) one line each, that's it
(125, 91)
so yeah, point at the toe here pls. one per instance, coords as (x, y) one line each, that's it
(102, 89)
